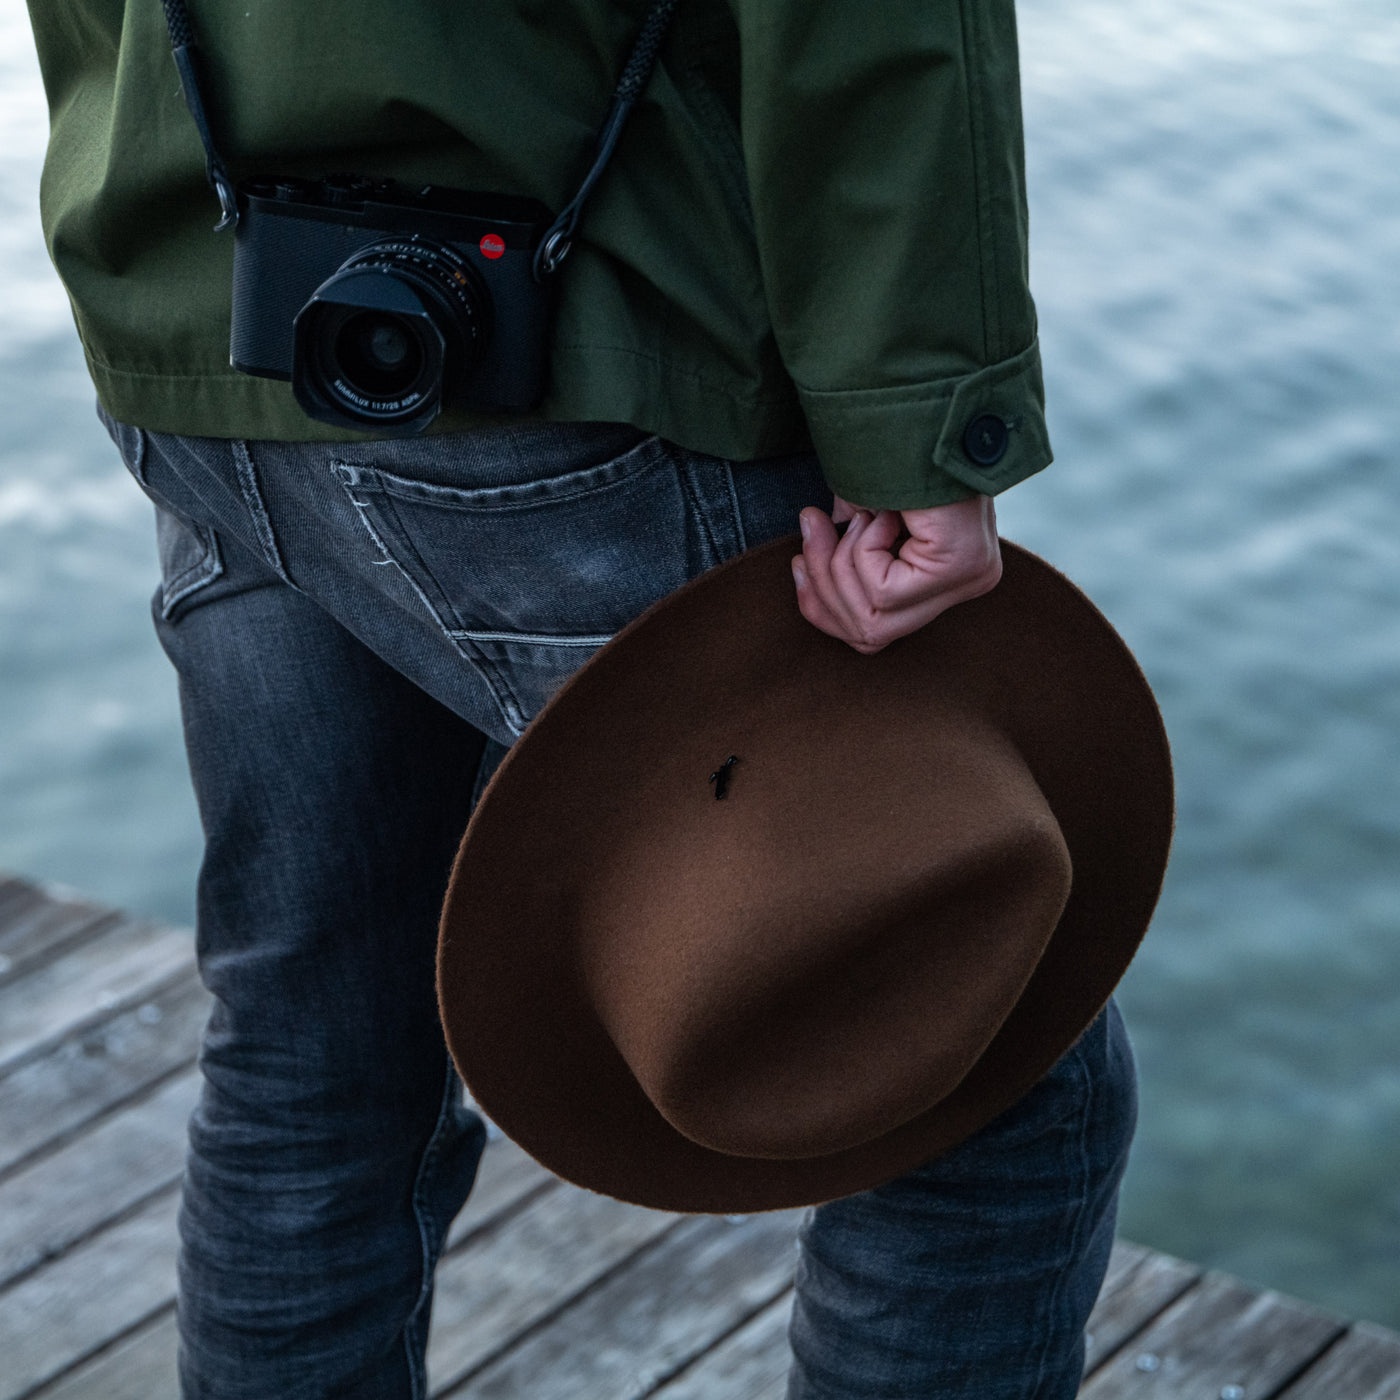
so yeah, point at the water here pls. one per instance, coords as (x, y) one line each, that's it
(1215, 191)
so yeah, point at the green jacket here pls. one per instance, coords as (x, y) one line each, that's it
(813, 230)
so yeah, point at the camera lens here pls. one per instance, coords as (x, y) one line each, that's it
(388, 337)
(378, 354)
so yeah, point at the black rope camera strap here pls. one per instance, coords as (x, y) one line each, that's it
(554, 246)
(190, 63)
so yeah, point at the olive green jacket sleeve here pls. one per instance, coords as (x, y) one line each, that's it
(883, 149)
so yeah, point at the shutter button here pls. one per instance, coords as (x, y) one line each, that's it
(986, 440)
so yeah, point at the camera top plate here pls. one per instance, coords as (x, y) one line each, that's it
(435, 211)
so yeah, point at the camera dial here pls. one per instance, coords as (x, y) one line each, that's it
(387, 338)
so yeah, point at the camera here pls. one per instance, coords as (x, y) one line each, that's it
(385, 305)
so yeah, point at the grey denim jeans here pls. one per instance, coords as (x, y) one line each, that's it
(360, 633)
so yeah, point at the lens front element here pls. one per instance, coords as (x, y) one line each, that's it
(379, 354)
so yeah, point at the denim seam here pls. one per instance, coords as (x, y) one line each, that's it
(740, 536)
(378, 540)
(1081, 1154)
(505, 700)
(697, 502)
(138, 461)
(542, 639)
(430, 494)
(416, 1369)
(501, 691)
(436, 611)
(257, 508)
(525, 495)
(204, 571)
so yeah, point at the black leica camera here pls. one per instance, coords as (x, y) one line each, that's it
(385, 305)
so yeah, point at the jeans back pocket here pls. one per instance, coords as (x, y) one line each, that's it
(528, 579)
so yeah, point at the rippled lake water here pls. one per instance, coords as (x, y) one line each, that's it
(1215, 190)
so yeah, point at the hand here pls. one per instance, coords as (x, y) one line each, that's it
(877, 582)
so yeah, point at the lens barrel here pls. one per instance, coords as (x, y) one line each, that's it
(386, 339)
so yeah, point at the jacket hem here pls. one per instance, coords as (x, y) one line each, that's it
(592, 384)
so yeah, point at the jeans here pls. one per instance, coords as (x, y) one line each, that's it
(360, 632)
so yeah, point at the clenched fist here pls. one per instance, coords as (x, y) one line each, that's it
(893, 571)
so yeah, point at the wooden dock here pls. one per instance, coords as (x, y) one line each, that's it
(546, 1292)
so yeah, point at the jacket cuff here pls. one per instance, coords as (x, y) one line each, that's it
(919, 445)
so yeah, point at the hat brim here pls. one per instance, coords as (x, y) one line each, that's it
(1034, 652)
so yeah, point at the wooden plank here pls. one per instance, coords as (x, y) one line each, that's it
(38, 930)
(141, 1366)
(60, 1315)
(1138, 1286)
(749, 1364)
(18, 900)
(128, 964)
(18, 897)
(1364, 1365)
(1218, 1336)
(775, 1391)
(14, 892)
(651, 1318)
(68, 1194)
(512, 1277)
(79, 1079)
(27, 907)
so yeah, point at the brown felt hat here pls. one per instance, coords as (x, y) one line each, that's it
(925, 875)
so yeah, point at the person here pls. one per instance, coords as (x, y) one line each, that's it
(799, 293)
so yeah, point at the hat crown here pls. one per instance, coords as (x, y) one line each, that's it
(772, 1006)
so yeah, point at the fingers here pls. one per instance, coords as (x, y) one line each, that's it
(867, 592)
(831, 591)
(811, 570)
(861, 571)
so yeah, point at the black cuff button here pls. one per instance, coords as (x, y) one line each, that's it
(986, 440)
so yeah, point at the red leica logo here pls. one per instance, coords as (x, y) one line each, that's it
(492, 245)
